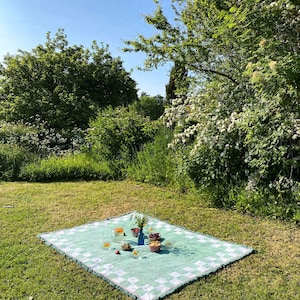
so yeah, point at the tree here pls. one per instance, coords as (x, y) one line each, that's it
(149, 106)
(241, 121)
(178, 83)
(215, 38)
(64, 85)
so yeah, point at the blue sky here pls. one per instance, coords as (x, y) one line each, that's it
(24, 24)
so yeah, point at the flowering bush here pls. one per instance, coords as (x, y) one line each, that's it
(40, 139)
(23, 143)
(245, 133)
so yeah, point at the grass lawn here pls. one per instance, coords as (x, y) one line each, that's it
(32, 270)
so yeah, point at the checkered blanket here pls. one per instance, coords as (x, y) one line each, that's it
(142, 274)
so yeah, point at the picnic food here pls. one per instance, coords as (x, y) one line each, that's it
(106, 245)
(126, 247)
(119, 230)
(154, 236)
(154, 246)
(135, 254)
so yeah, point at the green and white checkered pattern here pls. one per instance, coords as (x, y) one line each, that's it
(152, 275)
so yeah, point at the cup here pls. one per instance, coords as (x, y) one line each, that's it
(118, 235)
(135, 232)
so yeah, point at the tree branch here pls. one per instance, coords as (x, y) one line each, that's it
(219, 73)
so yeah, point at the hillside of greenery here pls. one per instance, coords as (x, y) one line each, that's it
(229, 127)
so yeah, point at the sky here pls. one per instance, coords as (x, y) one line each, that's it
(24, 24)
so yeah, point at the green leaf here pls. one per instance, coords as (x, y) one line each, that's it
(233, 9)
(231, 25)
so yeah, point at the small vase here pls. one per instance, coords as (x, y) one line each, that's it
(141, 238)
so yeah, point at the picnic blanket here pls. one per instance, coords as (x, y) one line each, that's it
(185, 257)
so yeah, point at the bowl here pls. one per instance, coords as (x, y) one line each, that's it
(154, 246)
(126, 247)
(135, 232)
(135, 254)
(168, 245)
(154, 236)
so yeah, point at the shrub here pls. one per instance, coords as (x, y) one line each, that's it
(160, 165)
(12, 157)
(147, 106)
(116, 135)
(154, 162)
(265, 202)
(37, 137)
(71, 167)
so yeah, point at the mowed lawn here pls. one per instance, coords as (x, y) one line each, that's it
(32, 270)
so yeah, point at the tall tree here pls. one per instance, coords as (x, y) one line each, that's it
(178, 82)
(64, 85)
(242, 120)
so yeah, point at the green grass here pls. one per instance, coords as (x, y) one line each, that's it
(67, 168)
(32, 270)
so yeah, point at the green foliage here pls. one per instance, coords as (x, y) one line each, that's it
(178, 82)
(69, 167)
(22, 144)
(12, 158)
(154, 163)
(147, 106)
(65, 85)
(241, 121)
(263, 202)
(117, 134)
(158, 164)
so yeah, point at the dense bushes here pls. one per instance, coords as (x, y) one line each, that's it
(154, 163)
(38, 138)
(151, 107)
(158, 164)
(240, 119)
(12, 158)
(39, 153)
(116, 135)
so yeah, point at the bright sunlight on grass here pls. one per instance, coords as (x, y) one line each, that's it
(31, 270)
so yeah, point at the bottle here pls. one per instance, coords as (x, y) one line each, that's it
(141, 238)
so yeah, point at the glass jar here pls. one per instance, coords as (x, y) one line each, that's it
(118, 235)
